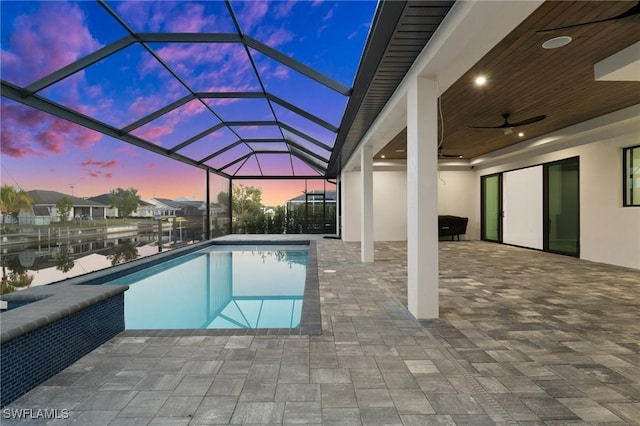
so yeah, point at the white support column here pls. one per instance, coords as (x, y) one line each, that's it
(422, 197)
(366, 205)
(339, 205)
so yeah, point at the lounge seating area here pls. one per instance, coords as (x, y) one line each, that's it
(452, 226)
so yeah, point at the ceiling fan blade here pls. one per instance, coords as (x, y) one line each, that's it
(507, 125)
(635, 10)
(443, 155)
(502, 126)
(528, 121)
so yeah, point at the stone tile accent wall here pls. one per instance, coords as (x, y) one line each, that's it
(32, 358)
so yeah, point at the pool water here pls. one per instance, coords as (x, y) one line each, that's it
(219, 287)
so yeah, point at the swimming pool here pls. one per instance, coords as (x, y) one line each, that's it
(219, 287)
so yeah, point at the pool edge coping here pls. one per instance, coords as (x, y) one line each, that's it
(49, 303)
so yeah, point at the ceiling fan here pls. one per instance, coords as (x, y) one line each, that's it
(634, 11)
(509, 126)
(443, 155)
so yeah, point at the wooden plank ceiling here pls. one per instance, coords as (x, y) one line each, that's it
(526, 80)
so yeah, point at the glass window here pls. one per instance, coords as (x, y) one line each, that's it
(631, 170)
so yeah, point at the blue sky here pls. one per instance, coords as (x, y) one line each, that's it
(43, 152)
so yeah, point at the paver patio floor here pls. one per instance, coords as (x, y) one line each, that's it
(524, 337)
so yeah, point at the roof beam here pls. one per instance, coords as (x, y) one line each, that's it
(188, 37)
(297, 66)
(237, 160)
(252, 123)
(221, 151)
(306, 151)
(321, 170)
(197, 137)
(78, 65)
(227, 95)
(162, 111)
(304, 136)
(303, 113)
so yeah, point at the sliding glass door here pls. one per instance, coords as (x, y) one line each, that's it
(491, 227)
(562, 207)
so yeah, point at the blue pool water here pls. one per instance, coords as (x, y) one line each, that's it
(219, 287)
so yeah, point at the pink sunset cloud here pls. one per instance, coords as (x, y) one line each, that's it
(209, 67)
(173, 17)
(192, 20)
(142, 15)
(251, 14)
(98, 163)
(170, 121)
(55, 36)
(98, 168)
(275, 37)
(281, 72)
(28, 132)
(282, 9)
(153, 132)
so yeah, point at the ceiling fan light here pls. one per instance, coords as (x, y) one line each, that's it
(556, 42)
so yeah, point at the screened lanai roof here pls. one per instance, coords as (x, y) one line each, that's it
(243, 89)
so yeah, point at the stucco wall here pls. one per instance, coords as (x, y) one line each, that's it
(609, 233)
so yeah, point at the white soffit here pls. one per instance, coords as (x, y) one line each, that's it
(621, 66)
(468, 32)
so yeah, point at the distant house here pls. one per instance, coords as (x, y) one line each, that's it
(38, 215)
(44, 211)
(315, 196)
(163, 207)
(105, 199)
(144, 209)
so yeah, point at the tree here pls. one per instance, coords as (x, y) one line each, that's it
(64, 206)
(64, 261)
(123, 253)
(246, 205)
(16, 278)
(278, 221)
(12, 201)
(125, 200)
(223, 198)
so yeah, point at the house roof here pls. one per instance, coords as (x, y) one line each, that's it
(50, 198)
(106, 199)
(102, 199)
(170, 203)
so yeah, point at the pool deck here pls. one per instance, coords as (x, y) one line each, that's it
(525, 337)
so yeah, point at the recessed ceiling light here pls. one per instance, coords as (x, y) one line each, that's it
(459, 156)
(382, 156)
(521, 134)
(480, 80)
(556, 42)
